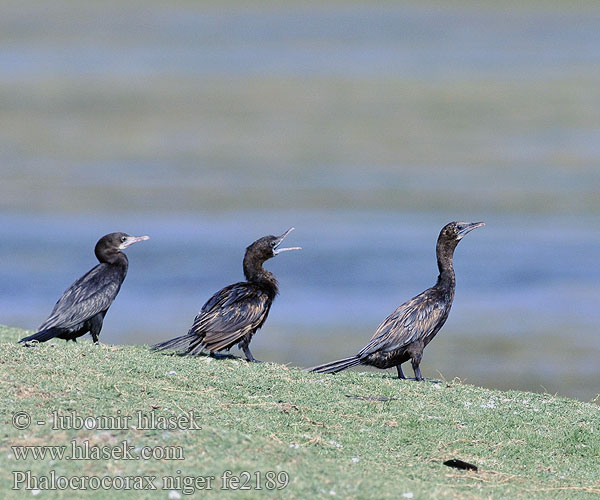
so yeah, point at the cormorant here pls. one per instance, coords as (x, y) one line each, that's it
(82, 307)
(405, 333)
(234, 314)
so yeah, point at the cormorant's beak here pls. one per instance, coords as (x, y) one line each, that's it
(277, 250)
(131, 240)
(468, 227)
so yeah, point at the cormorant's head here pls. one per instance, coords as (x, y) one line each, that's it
(268, 246)
(113, 243)
(454, 231)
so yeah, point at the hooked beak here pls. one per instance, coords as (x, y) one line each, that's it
(277, 250)
(469, 226)
(131, 240)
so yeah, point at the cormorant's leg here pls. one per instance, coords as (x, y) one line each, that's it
(415, 364)
(248, 354)
(415, 351)
(400, 373)
(95, 325)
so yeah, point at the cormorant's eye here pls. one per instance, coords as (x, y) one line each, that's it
(273, 243)
(460, 227)
(123, 239)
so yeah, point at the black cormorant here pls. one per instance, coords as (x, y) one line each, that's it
(234, 314)
(405, 333)
(82, 307)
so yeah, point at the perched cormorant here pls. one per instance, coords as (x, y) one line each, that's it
(405, 333)
(234, 314)
(82, 307)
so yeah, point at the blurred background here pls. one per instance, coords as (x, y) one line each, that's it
(367, 126)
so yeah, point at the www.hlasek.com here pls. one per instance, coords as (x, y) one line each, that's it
(83, 450)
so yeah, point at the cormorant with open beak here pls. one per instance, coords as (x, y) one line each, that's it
(234, 314)
(405, 333)
(82, 307)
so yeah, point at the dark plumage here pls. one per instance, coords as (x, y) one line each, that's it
(82, 307)
(405, 333)
(234, 314)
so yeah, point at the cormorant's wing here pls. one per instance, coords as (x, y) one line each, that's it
(230, 314)
(413, 320)
(94, 292)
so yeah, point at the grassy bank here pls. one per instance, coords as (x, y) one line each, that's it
(267, 417)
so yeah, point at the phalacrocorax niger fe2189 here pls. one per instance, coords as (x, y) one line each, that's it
(234, 314)
(82, 307)
(405, 333)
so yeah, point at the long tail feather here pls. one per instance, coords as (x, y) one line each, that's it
(183, 343)
(336, 366)
(41, 336)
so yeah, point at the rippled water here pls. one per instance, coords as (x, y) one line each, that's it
(366, 127)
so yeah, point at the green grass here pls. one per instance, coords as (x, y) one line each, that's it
(268, 417)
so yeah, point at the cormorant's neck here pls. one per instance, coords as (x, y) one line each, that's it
(256, 273)
(445, 252)
(114, 258)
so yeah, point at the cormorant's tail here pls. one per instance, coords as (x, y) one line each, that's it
(41, 336)
(184, 343)
(337, 366)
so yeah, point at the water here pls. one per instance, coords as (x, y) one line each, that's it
(357, 41)
(366, 127)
